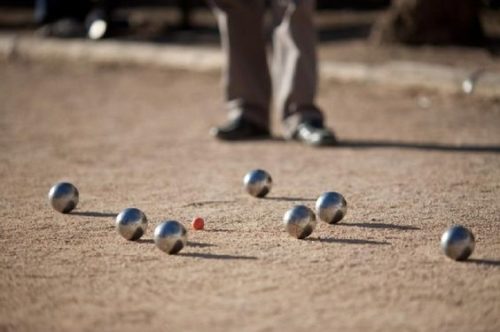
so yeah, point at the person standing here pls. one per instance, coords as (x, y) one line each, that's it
(290, 79)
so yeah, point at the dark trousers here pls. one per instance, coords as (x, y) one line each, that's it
(292, 76)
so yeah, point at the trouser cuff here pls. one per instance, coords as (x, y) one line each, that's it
(253, 113)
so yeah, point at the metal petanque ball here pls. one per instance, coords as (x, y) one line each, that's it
(258, 183)
(458, 243)
(131, 223)
(63, 197)
(331, 207)
(299, 221)
(170, 237)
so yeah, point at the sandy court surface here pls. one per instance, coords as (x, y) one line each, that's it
(138, 137)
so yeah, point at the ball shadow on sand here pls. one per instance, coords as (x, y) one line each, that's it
(204, 203)
(216, 256)
(219, 230)
(145, 241)
(378, 225)
(94, 214)
(200, 244)
(189, 243)
(289, 199)
(348, 241)
(487, 262)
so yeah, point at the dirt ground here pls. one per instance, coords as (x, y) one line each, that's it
(138, 137)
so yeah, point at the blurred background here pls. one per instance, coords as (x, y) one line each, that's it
(462, 33)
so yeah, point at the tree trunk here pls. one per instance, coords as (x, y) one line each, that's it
(430, 22)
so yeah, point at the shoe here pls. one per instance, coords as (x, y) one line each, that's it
(240, 129)
(97, 24)
(314, 133)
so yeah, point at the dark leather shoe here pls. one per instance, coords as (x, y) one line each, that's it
(240, 129)
(314, 133)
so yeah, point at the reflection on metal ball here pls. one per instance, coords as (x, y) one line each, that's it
(170, 237)
(131, 223)
(299, 221)
(331, 207)
(63, 197)
(458, 243)
(258, 183)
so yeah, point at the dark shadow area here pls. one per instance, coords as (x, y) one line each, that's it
(488, 262)
(198, 35)
(94, 214)
(367, 144)
(200, 244)
(195, 35)
(377, 144)
(380, 225)
(256, 140)
(289, 199)
(189, 243)
(17, 26)
(216, 256)
(493, 45)
(145, 241)
(345, 32)
(348, 241)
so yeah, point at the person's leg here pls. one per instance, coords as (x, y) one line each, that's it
(246, 75)
(295, 67)
(42, 13)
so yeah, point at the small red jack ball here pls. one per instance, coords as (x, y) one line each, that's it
(198, 223)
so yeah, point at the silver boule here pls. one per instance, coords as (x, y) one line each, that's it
(63, 197)
(299, 221)
(170, 237)
(331, 207)
(458, 243)
(258, 183)
(131, 223)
